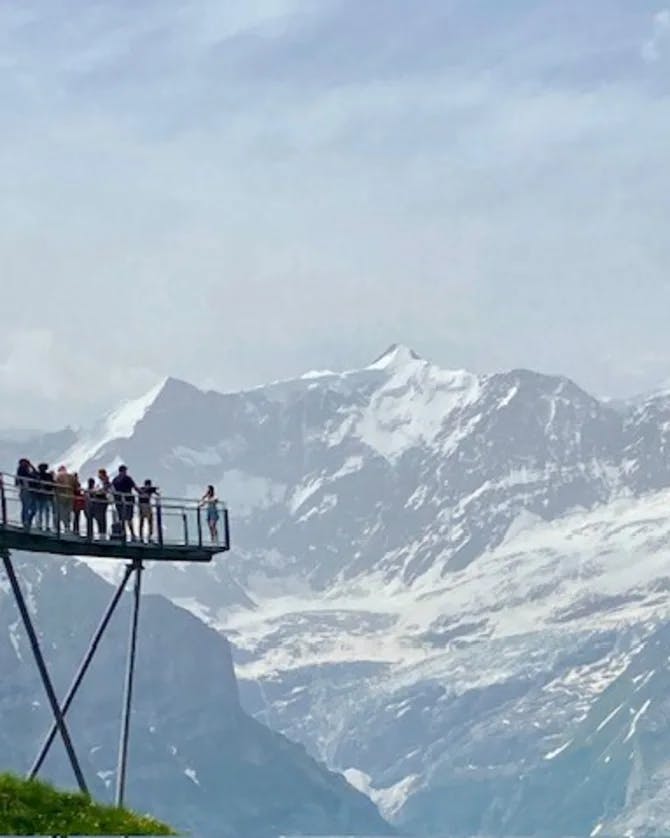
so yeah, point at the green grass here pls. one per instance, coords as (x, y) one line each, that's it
(31, 807)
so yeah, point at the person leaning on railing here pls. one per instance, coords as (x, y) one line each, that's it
(78, 504)
(211, 503)
(124, 500)
(44, 497)
(64, 488)
(24, 481)
(96, 500)
(144, 494)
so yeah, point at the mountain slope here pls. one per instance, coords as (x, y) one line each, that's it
(197, 760)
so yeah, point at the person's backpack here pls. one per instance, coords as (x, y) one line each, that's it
(116, 532)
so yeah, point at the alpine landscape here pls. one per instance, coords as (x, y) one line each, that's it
(450, 588)
(334, 352)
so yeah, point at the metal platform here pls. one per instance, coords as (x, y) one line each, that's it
(45, 521)
(180, 532)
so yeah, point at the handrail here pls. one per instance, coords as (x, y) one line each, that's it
(58, 511)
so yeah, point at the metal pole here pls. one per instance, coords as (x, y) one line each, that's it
(81, 672)
(185, 520)
(56, 508)
(128, 690)
(159, 522)
(226, 529)
(46, 681)
(88, 513)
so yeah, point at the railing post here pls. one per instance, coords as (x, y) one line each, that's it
(199, 521)
(56, 514)
(226, 528)
(88, 513)
(185, 520)
(159, 523)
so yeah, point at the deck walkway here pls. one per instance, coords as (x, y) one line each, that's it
(180, 532)
(17, 538)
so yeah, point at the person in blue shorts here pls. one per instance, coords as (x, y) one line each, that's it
(211, 504)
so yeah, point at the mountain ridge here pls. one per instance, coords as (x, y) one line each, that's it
(395, 355)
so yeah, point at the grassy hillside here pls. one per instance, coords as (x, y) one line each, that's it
(36, 808)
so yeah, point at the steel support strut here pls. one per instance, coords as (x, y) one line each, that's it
(81, 672)
(44, 674)
(128, 689)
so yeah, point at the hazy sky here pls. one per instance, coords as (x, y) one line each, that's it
(236, 192)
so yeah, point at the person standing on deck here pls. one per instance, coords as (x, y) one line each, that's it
(124, 486)
(64, 498)
(96, 509)
(104, 479)
(144, 495)
(44, 497)
(211, 504)
(25, 481)
(106, 490)
(78, 503)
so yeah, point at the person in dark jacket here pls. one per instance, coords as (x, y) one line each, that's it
(44, 496)
(124, 486)
(26, 483)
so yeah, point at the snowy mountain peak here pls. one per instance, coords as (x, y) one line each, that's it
(397, 355)
(119, 424)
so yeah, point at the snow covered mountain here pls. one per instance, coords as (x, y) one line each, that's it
(441, 583)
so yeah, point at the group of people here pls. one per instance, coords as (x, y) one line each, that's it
(57, 501)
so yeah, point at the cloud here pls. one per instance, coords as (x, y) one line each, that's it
(237, 192)
(653, 48)
(72, 382)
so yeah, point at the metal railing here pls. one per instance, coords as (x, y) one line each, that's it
(57, 511)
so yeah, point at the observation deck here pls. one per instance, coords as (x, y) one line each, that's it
(35, 521)
(41, 516)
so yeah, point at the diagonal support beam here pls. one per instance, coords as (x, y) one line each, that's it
(128, 690)
(81, 672)
(44, 674)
